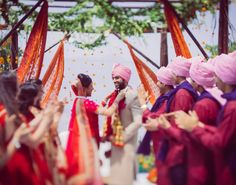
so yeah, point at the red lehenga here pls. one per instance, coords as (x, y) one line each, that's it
(81, 150)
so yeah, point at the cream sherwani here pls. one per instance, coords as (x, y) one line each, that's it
(123, 159)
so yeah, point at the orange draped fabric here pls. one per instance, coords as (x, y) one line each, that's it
(181, 48)
(31, 63)
(53, 77)
(146, 75)
(81, 151)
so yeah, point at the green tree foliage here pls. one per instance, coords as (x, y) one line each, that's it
(213, 49)
(125, 21)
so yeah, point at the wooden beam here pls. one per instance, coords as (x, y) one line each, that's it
(20, 22)
(14, 50)
(139, 52)
(164, 49)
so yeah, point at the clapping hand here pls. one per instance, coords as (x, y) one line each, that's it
(186, 121)
(121, 95)
(163, 122)
(151, 124)
(142, 95)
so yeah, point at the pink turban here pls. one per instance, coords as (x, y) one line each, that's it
(233, 54)
(197, 59)
(225, 68)
(166, 76)
(180, 66)
(122, 71)
(203, 74)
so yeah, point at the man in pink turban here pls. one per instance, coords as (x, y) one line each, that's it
(220, 140)
(121, 71)
(180, 98)
(207, 109)
(123, 136)
(166, 81)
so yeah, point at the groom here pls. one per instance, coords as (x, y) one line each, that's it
(123, 164)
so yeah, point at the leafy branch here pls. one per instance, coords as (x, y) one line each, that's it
(99, 16)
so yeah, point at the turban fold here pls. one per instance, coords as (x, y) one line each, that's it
(166, 76)
(180, 66)
(197, 59)
(225, 68)
(203, 74)
(233, 54)
(122, 71)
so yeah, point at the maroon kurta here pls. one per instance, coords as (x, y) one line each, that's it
(157, 136)
(222, 141)
(183, 100)
(199, 159)
(176, 156)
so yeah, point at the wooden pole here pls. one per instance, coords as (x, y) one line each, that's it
(14, 50)
(14, 46)
(139, 52)
(66, 37)
(164, 49)
(20, 22)
(223, 38)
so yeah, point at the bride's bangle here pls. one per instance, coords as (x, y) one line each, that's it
(16, 143)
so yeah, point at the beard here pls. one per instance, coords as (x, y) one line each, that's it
(120, 85)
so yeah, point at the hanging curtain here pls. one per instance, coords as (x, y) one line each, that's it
(181, 48)
(146, 75)
(31, 63)
(53, 77)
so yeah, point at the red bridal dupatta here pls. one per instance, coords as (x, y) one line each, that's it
(81, 150)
